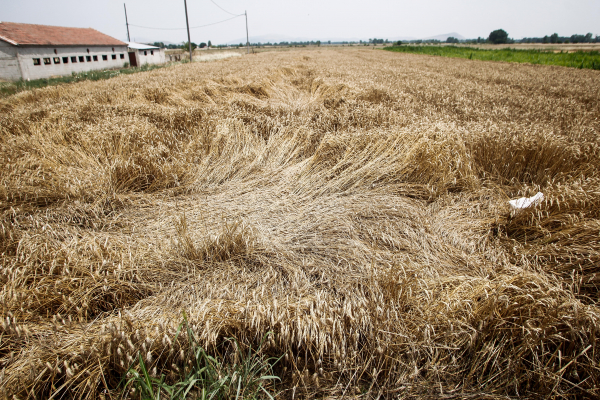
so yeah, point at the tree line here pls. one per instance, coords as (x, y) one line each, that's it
(500, 36)
(183, 46)
(554, 38)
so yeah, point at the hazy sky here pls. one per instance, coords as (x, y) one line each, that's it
(313, 19)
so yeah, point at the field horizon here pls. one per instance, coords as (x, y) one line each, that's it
(342, 210)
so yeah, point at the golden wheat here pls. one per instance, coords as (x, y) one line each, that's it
(353, 202)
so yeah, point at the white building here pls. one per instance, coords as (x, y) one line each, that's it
(140, 54)
(30, 51)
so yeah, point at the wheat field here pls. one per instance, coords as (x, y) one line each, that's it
(352, 202)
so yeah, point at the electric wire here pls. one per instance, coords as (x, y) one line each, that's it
(223, 8)
(191, 27)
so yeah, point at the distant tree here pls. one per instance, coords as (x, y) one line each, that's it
(209, 44)
(318, 43)
(554, 38)
(581, 38)
(203, 45)
(329, 42)
(452, 39)
(546, 39)
(498, 36)
(185, 46)
(398, 43)
(159, 44)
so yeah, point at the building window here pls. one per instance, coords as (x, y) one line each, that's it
(114, 56)
(145, 53)
(104, 57)
(47, 61)
(36, 61)
(65, 60)
(151, 52)
(88, 58)
(95, 58)
(56, 60)
(122, 56)
(81, 59)
(73, 59)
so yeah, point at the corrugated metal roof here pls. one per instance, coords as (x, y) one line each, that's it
(40, 35)
(141, 46)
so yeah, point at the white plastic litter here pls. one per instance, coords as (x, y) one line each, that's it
(525, 202)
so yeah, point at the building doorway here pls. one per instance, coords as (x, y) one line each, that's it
(132, 59)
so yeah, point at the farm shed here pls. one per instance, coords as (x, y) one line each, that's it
(140, 54)
(29, 51)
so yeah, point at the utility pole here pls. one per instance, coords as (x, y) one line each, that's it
(247, 40)
(126, 23)
(188, 29)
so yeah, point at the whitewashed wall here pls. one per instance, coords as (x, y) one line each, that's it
(157, 58)
(26, 54)
(9, 64)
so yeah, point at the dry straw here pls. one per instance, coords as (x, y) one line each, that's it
(355, 203)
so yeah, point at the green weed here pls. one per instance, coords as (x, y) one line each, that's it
(10, 88)
(248, 376)
(579, 59)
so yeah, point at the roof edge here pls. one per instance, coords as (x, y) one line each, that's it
(72, 45)
(9, 40)
(141, 46)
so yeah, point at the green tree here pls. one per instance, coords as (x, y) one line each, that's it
(318, 43)
(581, 38)
(554, 38)
(498, 36)
(186, 47)
(209, 44)
(452, 39)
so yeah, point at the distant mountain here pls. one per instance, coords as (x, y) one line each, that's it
(276, 38)
(395, 38)
(445, 36)
(166, 42)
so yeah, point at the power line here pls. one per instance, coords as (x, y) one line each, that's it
(191, 27)
(223, 8)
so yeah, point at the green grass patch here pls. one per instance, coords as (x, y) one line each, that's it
(10, 88)
(580, 59)
(247, 374)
